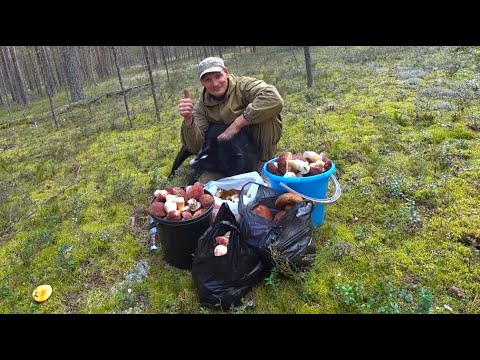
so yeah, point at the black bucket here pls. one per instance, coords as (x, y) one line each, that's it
(179, 238)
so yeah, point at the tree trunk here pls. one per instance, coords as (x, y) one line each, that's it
(47, 79)
(73, 73)
(90, 65)
(47, 53)
(121, 57)
(152, 84)
(121, 85)
(20, 81)
(83, 58)
(205, 51)
(104, 62)
(2, 92)
(308, 65)
(164, 58)
(35, 82)
(292, 49)
(235, 56)
(5, 77)
(12, 85)
(99, 62)
(154, 56)
(60, 69)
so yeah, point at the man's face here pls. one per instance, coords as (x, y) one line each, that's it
(215, 82)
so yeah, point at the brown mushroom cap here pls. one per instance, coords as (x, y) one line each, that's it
(174, 215)
(206, 200)
(157, 209)
(263, 211)
(287, 199)
(279, 215)
(195, 191)
(282, 162)
(272, 168)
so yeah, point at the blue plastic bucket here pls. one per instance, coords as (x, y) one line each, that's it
(310, 187)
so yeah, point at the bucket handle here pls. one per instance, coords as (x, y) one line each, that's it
(335, 197)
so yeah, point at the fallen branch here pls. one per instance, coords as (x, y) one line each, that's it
(64, 108)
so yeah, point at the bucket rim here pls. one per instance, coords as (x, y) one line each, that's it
(302, 179)
(176, 223)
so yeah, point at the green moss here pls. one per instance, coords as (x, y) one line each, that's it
(402, 233)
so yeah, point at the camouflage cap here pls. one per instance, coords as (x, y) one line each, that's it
(210, 64)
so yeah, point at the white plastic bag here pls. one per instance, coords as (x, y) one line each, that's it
(234, 182)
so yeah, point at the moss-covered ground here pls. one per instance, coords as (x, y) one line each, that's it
(400, 123)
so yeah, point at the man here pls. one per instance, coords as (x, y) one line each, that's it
(234, 101)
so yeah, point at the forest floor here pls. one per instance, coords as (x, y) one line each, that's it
(401, 125)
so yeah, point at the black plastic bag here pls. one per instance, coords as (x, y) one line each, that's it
(236, 156)
(286, 243)
(222, 281)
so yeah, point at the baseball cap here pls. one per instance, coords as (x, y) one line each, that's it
(210, 64)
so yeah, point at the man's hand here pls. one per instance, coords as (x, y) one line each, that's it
(233, 129)
(185, 107)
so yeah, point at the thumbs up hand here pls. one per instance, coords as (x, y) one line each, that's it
(185, 107)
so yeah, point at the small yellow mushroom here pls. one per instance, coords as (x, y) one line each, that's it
(42, 293)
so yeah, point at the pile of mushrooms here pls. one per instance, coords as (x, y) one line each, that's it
(291, 164)
(229, 195)
(177, 203)
(283, 203)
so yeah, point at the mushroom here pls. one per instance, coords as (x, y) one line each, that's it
(180, 201)
(312, 156)
(199, 212)
(174, 215)
(279, 215)
(206, 200)
(160, 195)
(272, 168)
(282, 162)
(300, 166)
(187, 215)
(287, 199)
(222, 240)
(220, 250)
(317, 167)
(194, 205)
(180, 192)
(263, 211)
(157, 209)
(195, 191)
(170, 205)
(170, 197)
(42, 293)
